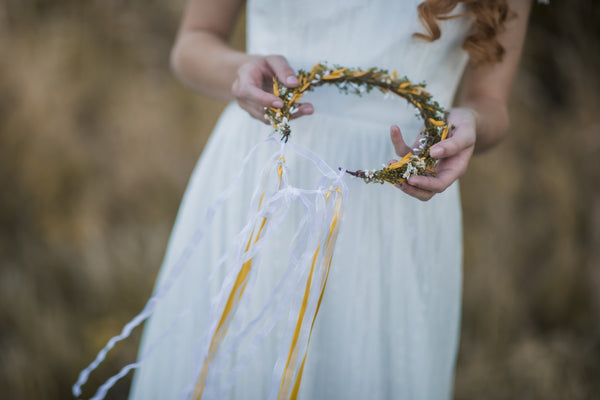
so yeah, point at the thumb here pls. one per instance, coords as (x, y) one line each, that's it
(398, 141)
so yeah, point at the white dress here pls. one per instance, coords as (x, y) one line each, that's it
(389, 322)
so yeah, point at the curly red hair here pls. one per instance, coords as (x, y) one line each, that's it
(482, 43)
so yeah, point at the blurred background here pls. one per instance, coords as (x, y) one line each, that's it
(97, 142)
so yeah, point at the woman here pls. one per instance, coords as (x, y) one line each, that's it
(389, 322)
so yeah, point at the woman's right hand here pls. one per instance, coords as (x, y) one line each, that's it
(253, 86)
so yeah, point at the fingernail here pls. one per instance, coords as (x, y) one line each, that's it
(277, 104)
(308, 109)
(291, 80)
(436, 152)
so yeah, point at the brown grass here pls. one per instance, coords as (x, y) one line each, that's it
(97, 141)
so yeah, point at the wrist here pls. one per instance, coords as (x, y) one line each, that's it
(491, 122)
(206, 63)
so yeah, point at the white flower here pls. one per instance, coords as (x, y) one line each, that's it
(420, 164)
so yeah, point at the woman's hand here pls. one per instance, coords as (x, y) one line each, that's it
(253, 85)
(453, 153)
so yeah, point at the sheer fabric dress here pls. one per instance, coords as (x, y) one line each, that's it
(389, 321)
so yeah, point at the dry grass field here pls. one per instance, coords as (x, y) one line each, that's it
(97, 141)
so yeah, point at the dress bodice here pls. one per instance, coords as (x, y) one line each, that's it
(360, 33)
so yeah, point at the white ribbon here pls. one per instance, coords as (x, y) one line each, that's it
(243, 341)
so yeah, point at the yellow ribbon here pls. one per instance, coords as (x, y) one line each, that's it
(234, 296)
(290, 382)
(292, 377)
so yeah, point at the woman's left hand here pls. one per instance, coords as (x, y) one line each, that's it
(453, 153)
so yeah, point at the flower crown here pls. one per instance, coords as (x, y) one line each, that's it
(358, 81)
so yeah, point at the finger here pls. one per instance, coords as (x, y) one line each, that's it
(458, 140)
(418, 193)
(248, 86)
(254, 111)
(282, 70)
(245, 92)
(400, 146)
(435, 184)
(302, 109)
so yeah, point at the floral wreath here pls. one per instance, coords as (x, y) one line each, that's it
(358, 81)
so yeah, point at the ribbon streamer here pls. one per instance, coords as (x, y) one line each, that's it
(291, 379)
(178, 268)
(309, 257)
(317, 226)
(235, 296)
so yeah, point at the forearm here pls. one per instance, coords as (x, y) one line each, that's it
(201, 57)
(206, 63)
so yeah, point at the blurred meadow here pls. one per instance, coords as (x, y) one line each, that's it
(97, 142)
